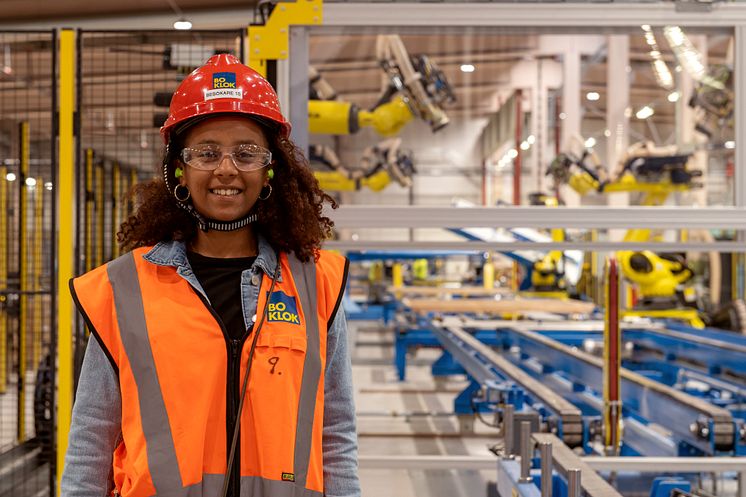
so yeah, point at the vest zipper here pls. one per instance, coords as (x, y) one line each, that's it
(234, 387)
(232, 393)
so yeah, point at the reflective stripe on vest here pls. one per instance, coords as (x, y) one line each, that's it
(251, 486)
(304, 276)
(162, 460)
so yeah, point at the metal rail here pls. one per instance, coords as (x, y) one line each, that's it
(727, 349)
(383, 216)
(564, 461)
(686, 409)
(597, 463)
(484, 364)
(728, 247)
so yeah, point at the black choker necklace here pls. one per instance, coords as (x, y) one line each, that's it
(206, 224)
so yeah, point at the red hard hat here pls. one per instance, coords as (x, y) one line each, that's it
(224, 85)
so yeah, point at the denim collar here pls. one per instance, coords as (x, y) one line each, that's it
(174, 253)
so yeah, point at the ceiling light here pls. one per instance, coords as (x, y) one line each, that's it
(512, 153)
(562, 115)
(730, 145)
(10, 177)
(467, 68)
(607, 133)
(590, 142)
(592, 96)
(31, 182)
(645, 112)
(48, 185)
(660, 68)
(687, 56)
(674, 96)
(645, 27)
(531, 139)
(182, 24)
(7, 67)
(525, 145)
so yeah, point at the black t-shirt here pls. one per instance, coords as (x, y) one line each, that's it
(221, 280)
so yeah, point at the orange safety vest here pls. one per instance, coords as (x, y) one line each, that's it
(179, 377)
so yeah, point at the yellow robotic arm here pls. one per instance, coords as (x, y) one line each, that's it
(379, 166)
(656, 275)
(415, 88)
(332, 117)
(656, 174)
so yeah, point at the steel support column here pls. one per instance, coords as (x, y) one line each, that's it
(571, 107)
(617, 113)
(65, 241)
(298, 86)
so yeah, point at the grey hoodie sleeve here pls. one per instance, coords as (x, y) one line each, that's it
(95, 429)
(339, 440)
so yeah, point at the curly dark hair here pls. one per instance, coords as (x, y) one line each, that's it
(291, 219)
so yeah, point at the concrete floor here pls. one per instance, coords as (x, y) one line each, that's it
(382, 404)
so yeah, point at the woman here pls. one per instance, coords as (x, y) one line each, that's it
(225, 309)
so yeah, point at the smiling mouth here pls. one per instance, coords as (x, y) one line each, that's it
(225, 192)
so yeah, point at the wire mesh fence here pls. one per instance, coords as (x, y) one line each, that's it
(125, 83)
(27, 169)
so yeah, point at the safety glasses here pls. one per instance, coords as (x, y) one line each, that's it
(246, 156)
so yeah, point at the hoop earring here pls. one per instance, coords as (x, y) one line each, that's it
(268, 193)
(182, 198)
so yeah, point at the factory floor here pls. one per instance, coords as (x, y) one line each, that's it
(413, 417)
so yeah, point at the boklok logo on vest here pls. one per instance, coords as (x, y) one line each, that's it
(282, 308)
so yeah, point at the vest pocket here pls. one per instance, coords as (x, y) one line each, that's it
(282, 356)
(276, 379)
(297, 343)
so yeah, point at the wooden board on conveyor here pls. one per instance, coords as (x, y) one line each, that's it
(440, 291)
(491, 306)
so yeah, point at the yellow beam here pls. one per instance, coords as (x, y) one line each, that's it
(88, 209)
(3, 280)
(116, 208)
(488, 274)
(99, 215)
(270, 41)
(38, 268)
(23, 278)
(594, 268)
(132, 183)
(397, 275)
(65, 242)
(734, 275)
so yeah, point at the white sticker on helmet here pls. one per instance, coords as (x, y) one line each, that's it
(224, 93)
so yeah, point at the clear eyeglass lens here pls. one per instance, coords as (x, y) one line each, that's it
(245, 157)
